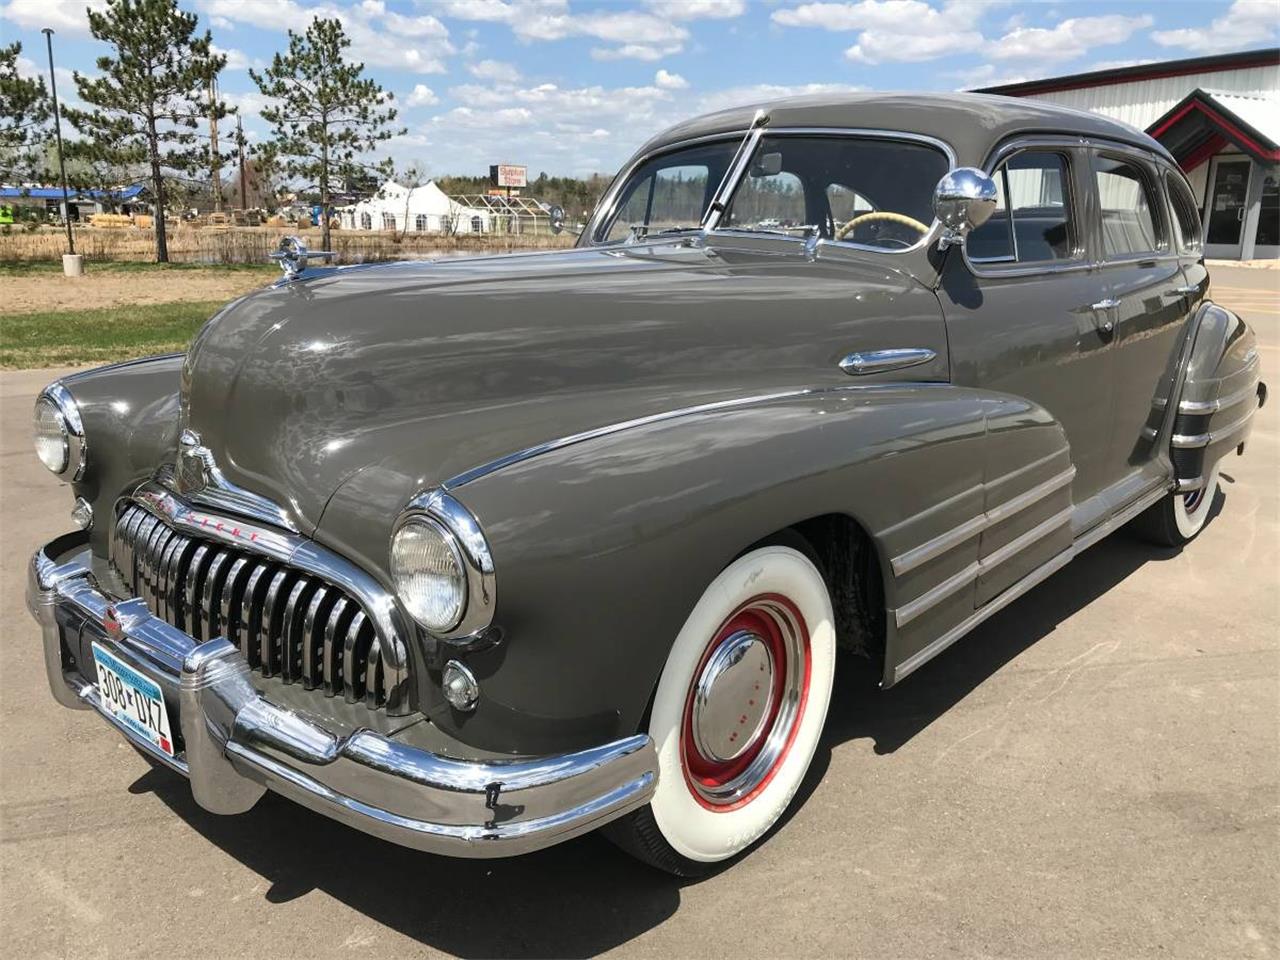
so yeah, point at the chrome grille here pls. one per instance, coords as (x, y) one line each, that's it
(287, 623)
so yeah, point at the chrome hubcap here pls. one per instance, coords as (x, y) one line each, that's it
(733, 696)
(745, 702)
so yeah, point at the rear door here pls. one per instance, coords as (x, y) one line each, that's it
(1022, 318)
(1146, 287)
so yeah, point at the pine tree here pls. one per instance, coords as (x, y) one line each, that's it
(151, 98)
(24, 115)
(326, 115)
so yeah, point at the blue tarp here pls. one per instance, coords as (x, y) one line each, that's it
(55, 193)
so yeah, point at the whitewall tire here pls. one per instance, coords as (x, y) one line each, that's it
(1178, 518)
(738, 712)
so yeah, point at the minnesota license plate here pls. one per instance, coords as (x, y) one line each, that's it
(134, 700)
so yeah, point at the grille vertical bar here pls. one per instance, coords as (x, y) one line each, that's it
(285, 622)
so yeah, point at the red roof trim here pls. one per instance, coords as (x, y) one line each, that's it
(1203, 152)
(1137, 74)
(1223, 124)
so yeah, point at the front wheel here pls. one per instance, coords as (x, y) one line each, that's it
(1178, 519)
(738, 713)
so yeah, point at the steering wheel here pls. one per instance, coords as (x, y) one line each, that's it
(876, 215)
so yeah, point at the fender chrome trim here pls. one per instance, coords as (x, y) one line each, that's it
(1186, 441)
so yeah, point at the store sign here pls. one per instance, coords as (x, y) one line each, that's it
(507, 175)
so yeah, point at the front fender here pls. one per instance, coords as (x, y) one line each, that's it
(130, 414)
(602, 547)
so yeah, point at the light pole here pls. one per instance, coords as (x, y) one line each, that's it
(57, 126)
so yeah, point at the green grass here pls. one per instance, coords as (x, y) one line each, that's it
(32, 268)
(57, 338)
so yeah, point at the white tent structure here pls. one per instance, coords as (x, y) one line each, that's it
(424, 209)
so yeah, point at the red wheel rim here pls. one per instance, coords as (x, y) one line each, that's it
(765, 629)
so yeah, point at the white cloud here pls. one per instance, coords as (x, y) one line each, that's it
(1068, 40)
(669, 81)
(635, 51)
(635, 34)
(893, 30)
(987, 75)
(495, 70)
(236, 59)
(875, 46)
(698, 9)
(1246, 24)
(417, 44)
(61, 15)
(421, 96)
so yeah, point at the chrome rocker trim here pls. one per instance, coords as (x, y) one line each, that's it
(238, 744)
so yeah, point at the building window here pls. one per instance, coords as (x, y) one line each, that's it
(420, 223)
(388, 221)
(1129, 224)
(1269, 214)
(366, 221)
(1033, 221)
(477, 225)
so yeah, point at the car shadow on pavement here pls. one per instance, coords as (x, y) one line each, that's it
(585, 896)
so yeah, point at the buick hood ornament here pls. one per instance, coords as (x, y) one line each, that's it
(292, 255)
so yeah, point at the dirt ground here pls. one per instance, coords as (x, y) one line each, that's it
(51, 291)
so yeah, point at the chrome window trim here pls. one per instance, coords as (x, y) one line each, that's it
(711, 229)
(1168, 173)
(77, 447)
(1147, 163)
(605, 211)
(1072, 148)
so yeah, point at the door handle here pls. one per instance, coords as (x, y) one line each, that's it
(1190, 288)
(1109, 304)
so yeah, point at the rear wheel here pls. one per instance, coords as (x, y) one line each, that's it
(1178, 519)
(738, 713)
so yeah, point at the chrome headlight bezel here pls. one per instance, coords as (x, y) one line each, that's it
(465, 537)
(67, 411)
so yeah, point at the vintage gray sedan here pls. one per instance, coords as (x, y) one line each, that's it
(479, 555)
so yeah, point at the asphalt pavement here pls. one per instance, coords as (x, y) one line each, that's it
(1091, 773)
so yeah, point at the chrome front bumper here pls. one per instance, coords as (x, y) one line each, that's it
(237, 744)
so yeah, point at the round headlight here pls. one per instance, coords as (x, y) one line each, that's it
(426, 566)
(52, 436)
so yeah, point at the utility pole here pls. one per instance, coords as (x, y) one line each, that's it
(57, 126)
(240, 147)
(214, 159)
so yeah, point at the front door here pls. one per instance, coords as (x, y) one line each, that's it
(1224, 218)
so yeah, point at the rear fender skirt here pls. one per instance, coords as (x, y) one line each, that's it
(1219, 393)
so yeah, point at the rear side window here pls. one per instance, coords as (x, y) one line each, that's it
(1185, 212)
(1128, 204)
(1033, 221)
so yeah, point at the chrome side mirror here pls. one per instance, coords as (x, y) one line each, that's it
(963, 200)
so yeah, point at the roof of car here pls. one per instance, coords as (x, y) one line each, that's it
(972, 123)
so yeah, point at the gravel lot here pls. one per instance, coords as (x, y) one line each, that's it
(1092, 773)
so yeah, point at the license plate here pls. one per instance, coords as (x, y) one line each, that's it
(134, 700)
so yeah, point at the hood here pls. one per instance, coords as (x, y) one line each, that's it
(437, 367)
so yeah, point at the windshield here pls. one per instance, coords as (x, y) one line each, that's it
(669, 192)
(875, 193)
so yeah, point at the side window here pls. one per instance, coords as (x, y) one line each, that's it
(846, 203)
(1128, 205)
(1184, 210)
(768, 200)
(1033, 220)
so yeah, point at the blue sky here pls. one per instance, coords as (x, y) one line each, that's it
(574, 86)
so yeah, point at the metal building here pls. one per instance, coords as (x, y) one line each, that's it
(1219, 116)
